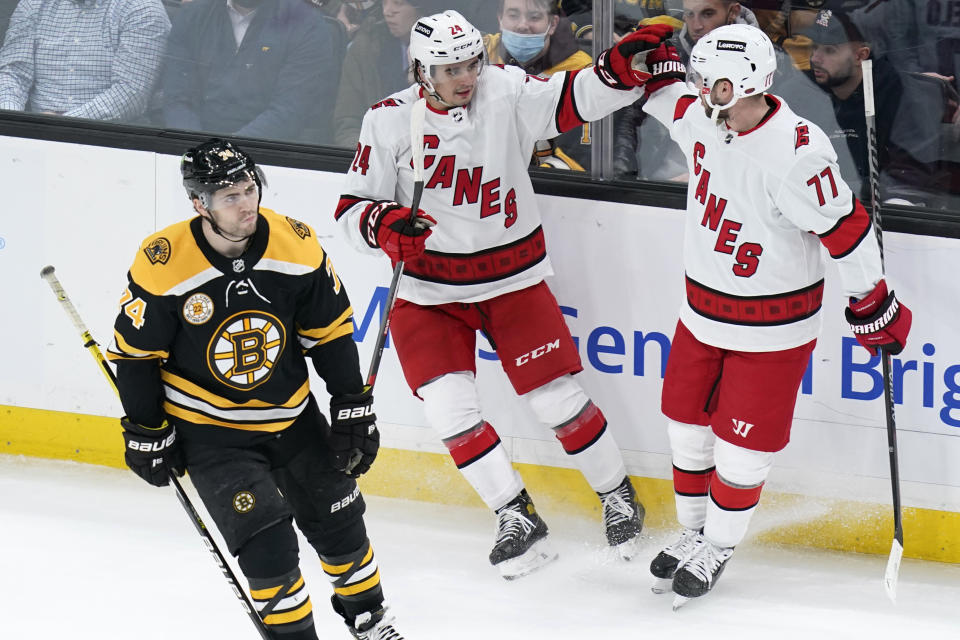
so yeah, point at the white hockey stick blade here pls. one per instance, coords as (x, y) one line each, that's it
(679, 601)
(892, 573)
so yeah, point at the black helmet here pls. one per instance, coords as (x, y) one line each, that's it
(216, 164)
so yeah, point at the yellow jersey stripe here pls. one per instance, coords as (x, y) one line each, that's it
(126, 348)
(199, 418)
(191, 389)
(320, 333)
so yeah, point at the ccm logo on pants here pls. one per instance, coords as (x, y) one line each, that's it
(539, 351)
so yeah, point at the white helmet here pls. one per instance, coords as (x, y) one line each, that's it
(443, 38)
(740, 53)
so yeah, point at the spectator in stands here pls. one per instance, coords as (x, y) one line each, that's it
(909, 111)
(349, 13)
(82, 58)
(535, 37)
(252, 68)
(376, 63)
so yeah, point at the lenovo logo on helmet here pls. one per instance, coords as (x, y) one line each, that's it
(425, 29)
(731, 45)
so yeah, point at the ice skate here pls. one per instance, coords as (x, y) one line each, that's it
(369, 625)
(665, 564)
(697, 575)
(521, 545)
(622, 519)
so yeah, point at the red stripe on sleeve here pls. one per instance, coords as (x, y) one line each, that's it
(345, 203)
(682, 105)
(845, 236)
(691, 483)
(568, 117)
(732, 498)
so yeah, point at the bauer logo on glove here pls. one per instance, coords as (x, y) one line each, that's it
(355, 412)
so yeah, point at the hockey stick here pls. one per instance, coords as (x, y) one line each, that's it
(47, 273)
(417, 114)
(892, 572)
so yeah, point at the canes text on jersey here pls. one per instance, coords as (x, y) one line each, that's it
(747, 253)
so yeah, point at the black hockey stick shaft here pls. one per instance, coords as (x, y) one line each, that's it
(896, 551)
(48, 274)
(417, 115)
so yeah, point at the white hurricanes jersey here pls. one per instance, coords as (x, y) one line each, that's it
(488, 240)
(759, 205)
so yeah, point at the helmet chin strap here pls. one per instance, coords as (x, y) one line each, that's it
(217, 230)
(428, 88)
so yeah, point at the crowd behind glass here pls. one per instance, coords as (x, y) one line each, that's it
(306, 71)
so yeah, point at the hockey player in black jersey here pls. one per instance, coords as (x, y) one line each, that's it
(211, 346)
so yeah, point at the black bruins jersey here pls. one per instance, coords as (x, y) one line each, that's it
(230, 334)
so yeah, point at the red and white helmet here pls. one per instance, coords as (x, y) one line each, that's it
(740, 53)
(443, 38)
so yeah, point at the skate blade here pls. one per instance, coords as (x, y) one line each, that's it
(679, 601)
(662, 585)
(538, 555)
(628, 550)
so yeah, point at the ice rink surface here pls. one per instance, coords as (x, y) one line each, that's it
(94, 553)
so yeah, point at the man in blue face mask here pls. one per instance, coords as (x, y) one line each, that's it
(533, 35)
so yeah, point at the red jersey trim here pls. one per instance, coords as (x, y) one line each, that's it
(568, 116)
(683, 103)
(430, 107)
(487, 265)
(346, 201)
(848, 233)
(767, 117)
(757, 311)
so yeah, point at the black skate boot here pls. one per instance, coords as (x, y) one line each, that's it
(665, 564)
(622, 518)
(369, 625)
(697, 575)
(521, 545)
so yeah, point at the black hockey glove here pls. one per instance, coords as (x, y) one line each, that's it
(152, 453)
(353, 439)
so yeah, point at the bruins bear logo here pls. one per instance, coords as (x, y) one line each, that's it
(158, 251)
(301, 229)
(243, 502)
(244, 349)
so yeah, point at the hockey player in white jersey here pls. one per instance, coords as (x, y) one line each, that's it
(482, 267)
(764, 194)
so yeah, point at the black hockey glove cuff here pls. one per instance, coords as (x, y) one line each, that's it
(152, 453)
(353, 439)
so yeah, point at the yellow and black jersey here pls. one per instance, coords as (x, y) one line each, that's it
(229, 336)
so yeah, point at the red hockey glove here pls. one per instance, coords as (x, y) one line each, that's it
(614, 65)
(664, 66)
(388, 226)
(880, 321)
